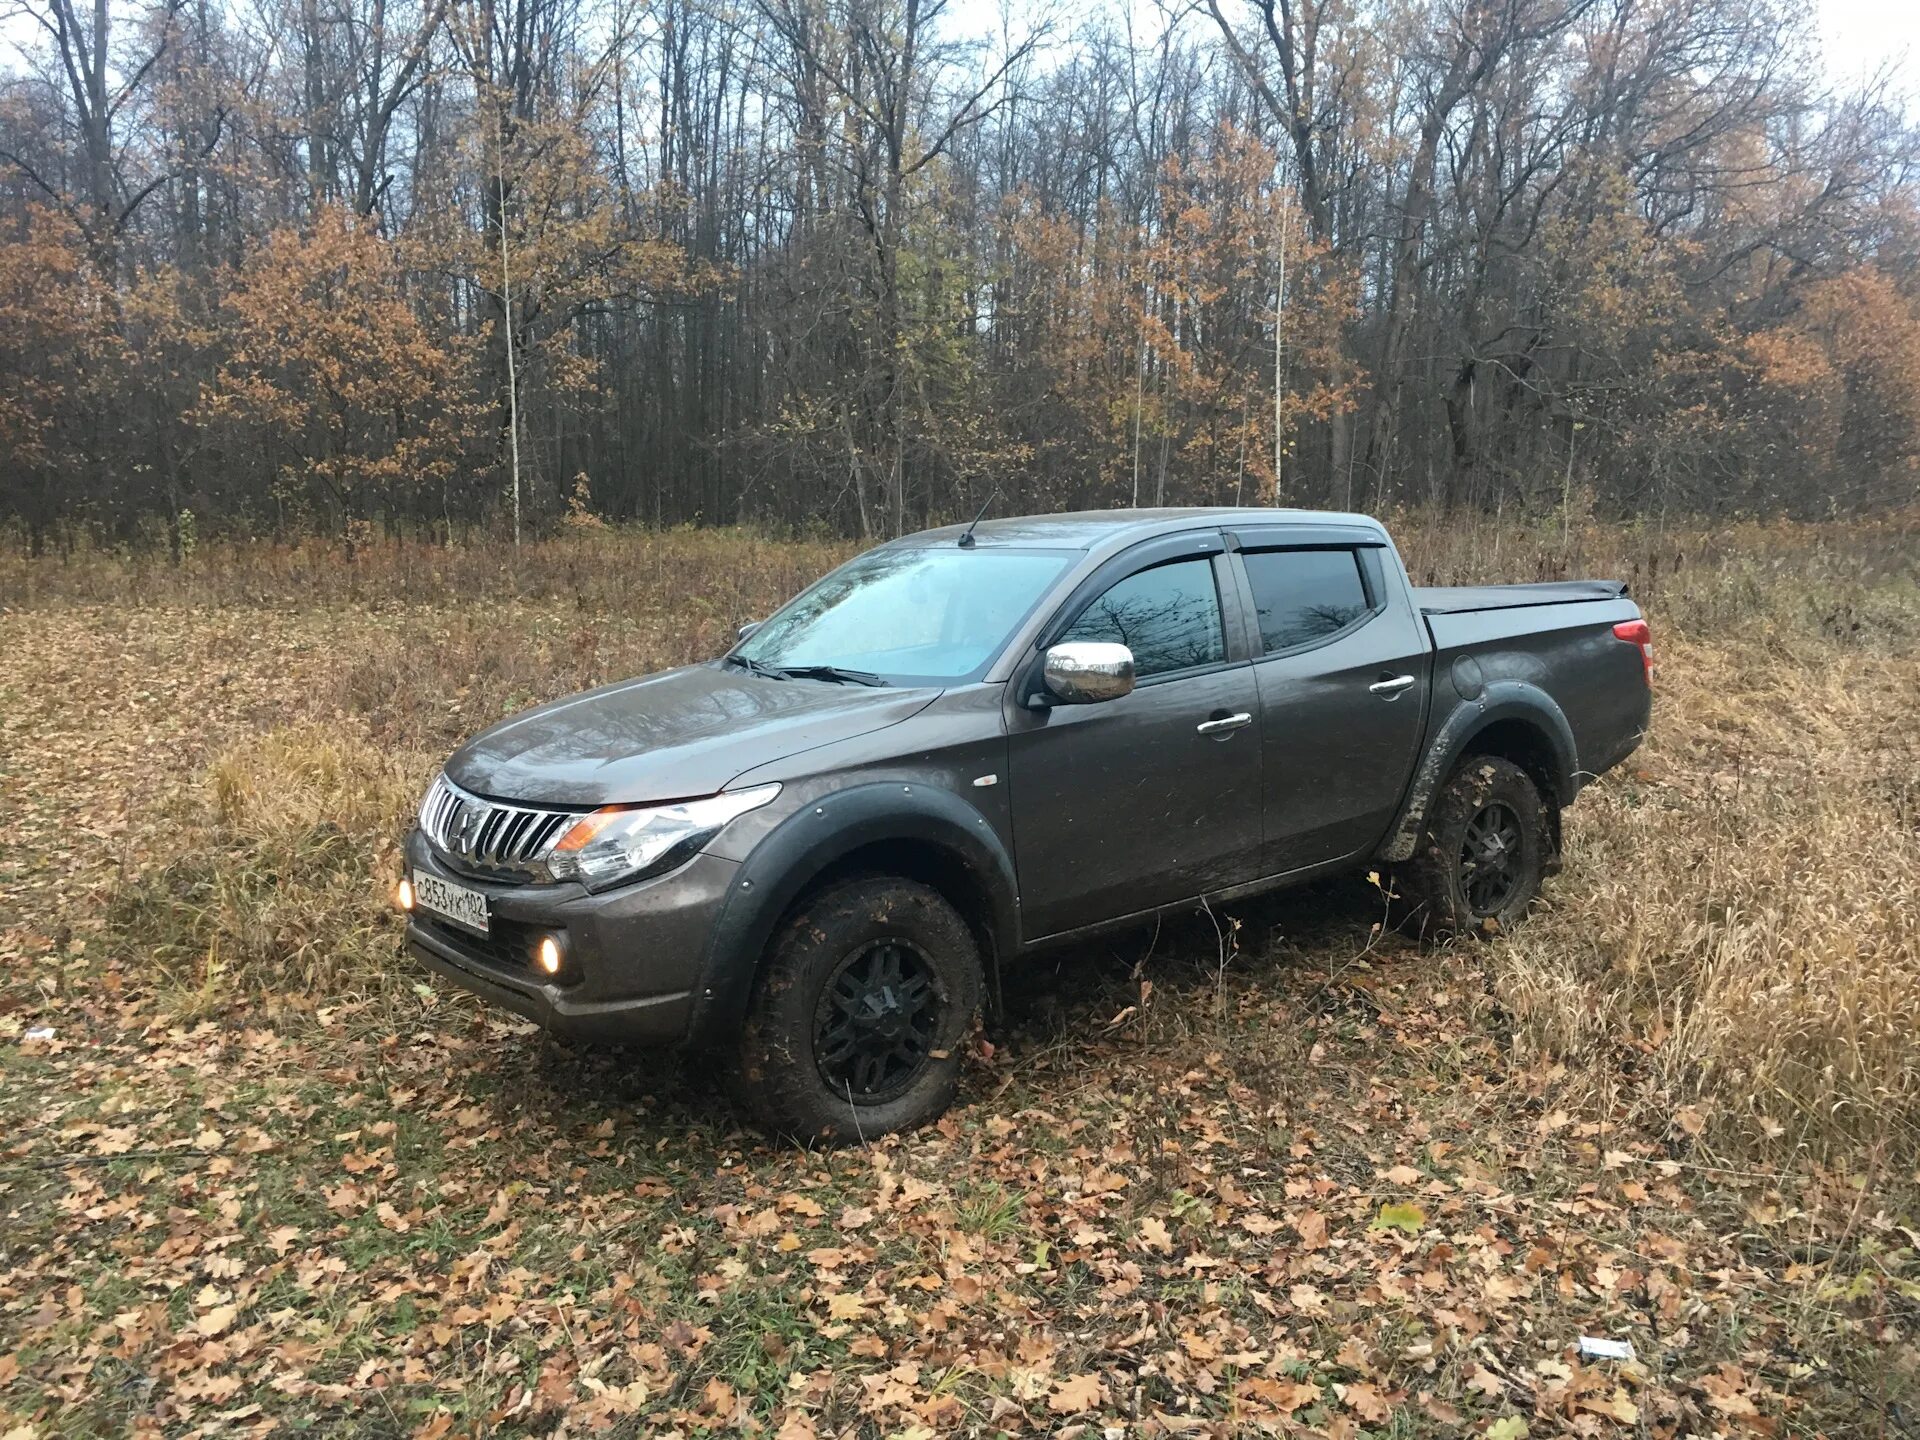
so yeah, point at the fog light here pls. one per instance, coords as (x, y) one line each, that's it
(549, 955)
(403, 896)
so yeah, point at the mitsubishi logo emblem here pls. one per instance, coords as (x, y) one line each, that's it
(464, 826)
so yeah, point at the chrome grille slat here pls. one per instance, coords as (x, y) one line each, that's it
(487, 845)
(545, 833)
(433, 815)
(490, 837)
(516, 831)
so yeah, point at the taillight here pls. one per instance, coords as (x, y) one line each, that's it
(1636, 632)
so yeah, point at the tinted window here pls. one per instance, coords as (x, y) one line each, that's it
(1169, 617)
(1304, 595)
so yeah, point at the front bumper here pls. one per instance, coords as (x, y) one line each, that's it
(634, 956)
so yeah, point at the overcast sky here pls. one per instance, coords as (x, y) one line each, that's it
(1861, 35)
(1857, 36)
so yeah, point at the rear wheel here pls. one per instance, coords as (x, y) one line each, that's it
(860, 1012)
(1488, 843)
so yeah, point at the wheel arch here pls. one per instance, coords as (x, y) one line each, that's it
(918, 832)
(1511, 721)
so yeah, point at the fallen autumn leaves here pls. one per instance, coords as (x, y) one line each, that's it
(494, 1248)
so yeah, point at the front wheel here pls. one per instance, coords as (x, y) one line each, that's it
(1487, 845)
(860, 1012)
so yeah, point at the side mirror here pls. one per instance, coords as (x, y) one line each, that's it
(748, 629)
(1086, 672)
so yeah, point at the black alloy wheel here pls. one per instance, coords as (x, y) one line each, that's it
(873, 1030)
(1489, 840)
(1491, 860)
(860, 1011)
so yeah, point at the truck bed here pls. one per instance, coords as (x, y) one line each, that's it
(1466, 599)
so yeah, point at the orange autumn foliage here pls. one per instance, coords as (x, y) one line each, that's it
(332, 376)
(1838, 382)
(1158, 337)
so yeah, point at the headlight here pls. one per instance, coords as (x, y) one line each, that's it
(628, 842)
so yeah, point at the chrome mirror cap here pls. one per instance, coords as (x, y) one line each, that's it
(747, 629)
(1086, 672)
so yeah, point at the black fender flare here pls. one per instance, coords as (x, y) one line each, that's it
(1501, 700)
(804, 845)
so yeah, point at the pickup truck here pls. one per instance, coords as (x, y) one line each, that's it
(818, 853)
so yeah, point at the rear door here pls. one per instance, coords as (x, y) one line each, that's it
(1154, 797)
(1342, 673)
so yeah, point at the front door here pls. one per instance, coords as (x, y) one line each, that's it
(1155, 797)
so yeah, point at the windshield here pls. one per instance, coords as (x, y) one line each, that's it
(910, 614)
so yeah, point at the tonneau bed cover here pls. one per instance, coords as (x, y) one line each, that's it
(1464, 599)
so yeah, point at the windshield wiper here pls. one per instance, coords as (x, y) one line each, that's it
(756, 667)
(839, 674)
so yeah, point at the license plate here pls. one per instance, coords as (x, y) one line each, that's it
(450, 901)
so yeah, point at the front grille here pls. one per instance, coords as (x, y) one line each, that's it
(490, 837)
(507, 945)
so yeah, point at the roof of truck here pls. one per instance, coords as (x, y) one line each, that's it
(1085, 529)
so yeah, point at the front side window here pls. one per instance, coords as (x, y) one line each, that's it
(1302, 596)
(1168, 616)
(909, 614)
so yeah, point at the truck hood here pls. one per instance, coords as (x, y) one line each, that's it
(672, 736)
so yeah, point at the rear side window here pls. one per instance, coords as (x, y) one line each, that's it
(1168, 616)
(1302, 596)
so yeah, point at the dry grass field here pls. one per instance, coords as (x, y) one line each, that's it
(1267, 1171)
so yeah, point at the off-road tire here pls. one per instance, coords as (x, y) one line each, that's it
(854, 924)
(1443, 890)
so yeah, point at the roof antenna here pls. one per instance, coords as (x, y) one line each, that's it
(966, 536)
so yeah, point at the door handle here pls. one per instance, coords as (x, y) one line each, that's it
(1224, 724)
(1390, 687)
